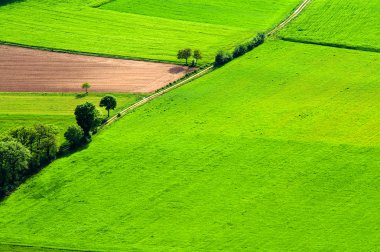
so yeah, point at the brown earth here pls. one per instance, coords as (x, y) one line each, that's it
(29, 70)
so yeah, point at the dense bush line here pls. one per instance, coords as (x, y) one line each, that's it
(224, 57)
(23, 152)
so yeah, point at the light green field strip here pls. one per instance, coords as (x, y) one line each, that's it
(27, 109)
(74, 26)
(277, 151)
(354, 23)
(253, 14)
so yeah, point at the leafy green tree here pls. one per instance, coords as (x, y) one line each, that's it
(74, 135)
(184, 54)
(41, 140)
(180, 55)
(14, 158)
(86, 86)
(222, 58)
(197, 55)
(88, 118)
(109, 102)
(187, 54)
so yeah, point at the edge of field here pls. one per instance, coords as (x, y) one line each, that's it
(102, 55)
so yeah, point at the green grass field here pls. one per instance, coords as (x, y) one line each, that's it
(277, 151)
(353, 23)
(255, 15)
(156, 34)
(27, 109)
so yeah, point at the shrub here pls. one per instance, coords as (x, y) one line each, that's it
(41, 140)
(240, 50)
(222, 58)
(74, 135)
(14, 162)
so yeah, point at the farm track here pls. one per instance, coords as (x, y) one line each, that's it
(29, 70)
(289, 19)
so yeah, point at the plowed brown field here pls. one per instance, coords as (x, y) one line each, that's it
(29, 70)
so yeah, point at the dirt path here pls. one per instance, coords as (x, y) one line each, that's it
(29, 70)
(289, 19)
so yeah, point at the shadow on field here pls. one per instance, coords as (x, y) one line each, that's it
(176, 70)
(5, 2)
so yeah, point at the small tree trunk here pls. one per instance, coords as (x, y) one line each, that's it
(108, 113)
(186, 61)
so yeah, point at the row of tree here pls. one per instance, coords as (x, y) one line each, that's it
(88, 119)
(25, 150)
(188, 53)
(224, 57)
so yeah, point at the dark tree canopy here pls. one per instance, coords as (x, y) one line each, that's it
(197, 55)
(14, 158)
(88, 118)
(74, 135)
(41, 140)
(109, 102)
(184, 54)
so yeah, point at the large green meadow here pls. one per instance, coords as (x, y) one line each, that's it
(145, 32)
(277, 151)
(27, 109)
(354, 23)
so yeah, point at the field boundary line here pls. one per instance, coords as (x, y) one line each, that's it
(90, 54)
(47, 247)
(340, 46)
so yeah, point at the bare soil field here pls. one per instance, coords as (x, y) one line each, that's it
(29, 70)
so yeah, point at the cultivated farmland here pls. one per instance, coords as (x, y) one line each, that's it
(354, 23)
(75, 25)
(276, 151)
(26, 70)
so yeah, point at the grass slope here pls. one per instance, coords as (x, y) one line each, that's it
(352, 23)
(74, 25)
(276, 151)
(26, 109)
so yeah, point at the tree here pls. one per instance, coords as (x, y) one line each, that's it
(88, 118)
(180, 55)
(184, 54)
(240, 50)
(187, 54)
(14, 158)
(74, 135)
(41, 140)
(86, 86)
(197, 55)
(109, 102)
(222, 58)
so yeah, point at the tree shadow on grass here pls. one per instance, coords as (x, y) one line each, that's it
(5, 2)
